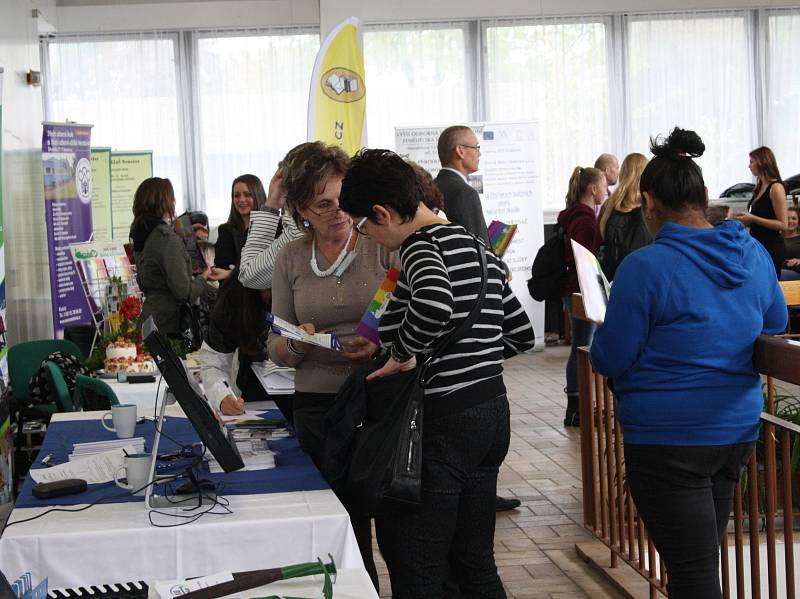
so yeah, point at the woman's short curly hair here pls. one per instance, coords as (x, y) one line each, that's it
(306, 169)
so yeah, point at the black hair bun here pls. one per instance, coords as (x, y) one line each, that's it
(682, 144)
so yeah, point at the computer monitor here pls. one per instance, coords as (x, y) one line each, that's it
(191, 398)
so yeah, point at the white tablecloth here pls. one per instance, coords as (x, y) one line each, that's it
(116, 543)
(142, 395)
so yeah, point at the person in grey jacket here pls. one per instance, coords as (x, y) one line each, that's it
(164, 270)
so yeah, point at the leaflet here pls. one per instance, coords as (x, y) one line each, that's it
(286, 329)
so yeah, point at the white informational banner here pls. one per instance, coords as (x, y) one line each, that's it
(509, 186)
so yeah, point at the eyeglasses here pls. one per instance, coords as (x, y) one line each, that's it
(475, 147)
(326, 208)
(360, 226)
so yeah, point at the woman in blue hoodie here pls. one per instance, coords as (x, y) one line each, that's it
(677, 345)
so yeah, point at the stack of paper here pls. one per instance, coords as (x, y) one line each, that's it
(500, 235)
(276, 380)
(83, 450)
(255, 453)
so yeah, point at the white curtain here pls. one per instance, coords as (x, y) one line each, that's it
(556, 74)
(782, 110)
(416, 75)
(253, 96)
(695, 70)
(125, 87)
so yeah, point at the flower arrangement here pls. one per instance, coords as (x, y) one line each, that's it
(122, 325)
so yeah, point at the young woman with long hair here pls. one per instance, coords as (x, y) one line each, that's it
(766, 215)
(163, 267)
(621, 224)
(247, 196)
(587, 189)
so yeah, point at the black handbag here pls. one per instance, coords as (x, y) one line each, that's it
(189, 326)
(384, 461)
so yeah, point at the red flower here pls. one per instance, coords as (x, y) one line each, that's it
(130, 308)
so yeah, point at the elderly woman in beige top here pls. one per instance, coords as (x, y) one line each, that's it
(323, 282)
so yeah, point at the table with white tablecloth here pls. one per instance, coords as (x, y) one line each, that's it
(116, 542)
(142, 395)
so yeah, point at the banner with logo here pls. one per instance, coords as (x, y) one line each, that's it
(128, 170)
(337, 100)
(102, 223)
(509, 186)
(66, 158)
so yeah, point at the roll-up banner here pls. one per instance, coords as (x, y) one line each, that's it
(128, 170)
(101, 194)
(67, 168)
(509, 187)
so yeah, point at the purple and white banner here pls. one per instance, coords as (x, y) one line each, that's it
(66, 158)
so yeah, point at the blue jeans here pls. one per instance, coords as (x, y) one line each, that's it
(452, 531)
(684, 496)
(582, 334)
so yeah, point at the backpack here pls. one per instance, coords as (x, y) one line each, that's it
(549, 272)
(622, 240)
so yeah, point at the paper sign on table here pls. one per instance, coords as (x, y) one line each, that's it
(98, 468)
(287, 329)
(593, 283)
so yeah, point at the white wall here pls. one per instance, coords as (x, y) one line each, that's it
(27, 280)
(79, 17)
(334, 11)
(125, 15)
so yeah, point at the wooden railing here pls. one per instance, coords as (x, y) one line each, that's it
(766, 509)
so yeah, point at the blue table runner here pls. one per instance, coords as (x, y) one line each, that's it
(294, 470)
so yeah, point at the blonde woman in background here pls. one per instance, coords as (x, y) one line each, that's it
(621, 225)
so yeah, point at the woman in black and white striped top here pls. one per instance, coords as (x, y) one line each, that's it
(467, 430)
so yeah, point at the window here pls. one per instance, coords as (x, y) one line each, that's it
(253, 100)
(782, 110)
(694, 71)
(126, 88)
(414, 77)
(553, 73)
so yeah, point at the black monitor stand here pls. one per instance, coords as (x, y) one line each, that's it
(183, 501)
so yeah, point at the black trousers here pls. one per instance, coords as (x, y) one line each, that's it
(684, 496)
(309, 420)
(452, 531)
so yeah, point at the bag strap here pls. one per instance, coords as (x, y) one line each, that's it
(467, 323)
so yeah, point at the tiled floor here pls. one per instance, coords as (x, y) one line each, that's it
(534, 545)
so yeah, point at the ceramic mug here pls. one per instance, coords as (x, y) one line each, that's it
(124, 418)
(137, 471)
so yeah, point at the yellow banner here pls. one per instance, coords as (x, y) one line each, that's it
(338, 98)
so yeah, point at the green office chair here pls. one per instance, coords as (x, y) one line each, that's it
(93, 394)
(57, 390)
(24, 359)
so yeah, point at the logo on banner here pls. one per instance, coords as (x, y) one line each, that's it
(83, 180)
(343, 85)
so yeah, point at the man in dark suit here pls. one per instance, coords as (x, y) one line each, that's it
(460, 154)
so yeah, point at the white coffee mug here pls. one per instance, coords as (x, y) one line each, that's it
(124, 417)
(136, 470)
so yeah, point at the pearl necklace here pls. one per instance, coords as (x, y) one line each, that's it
(335, 267)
